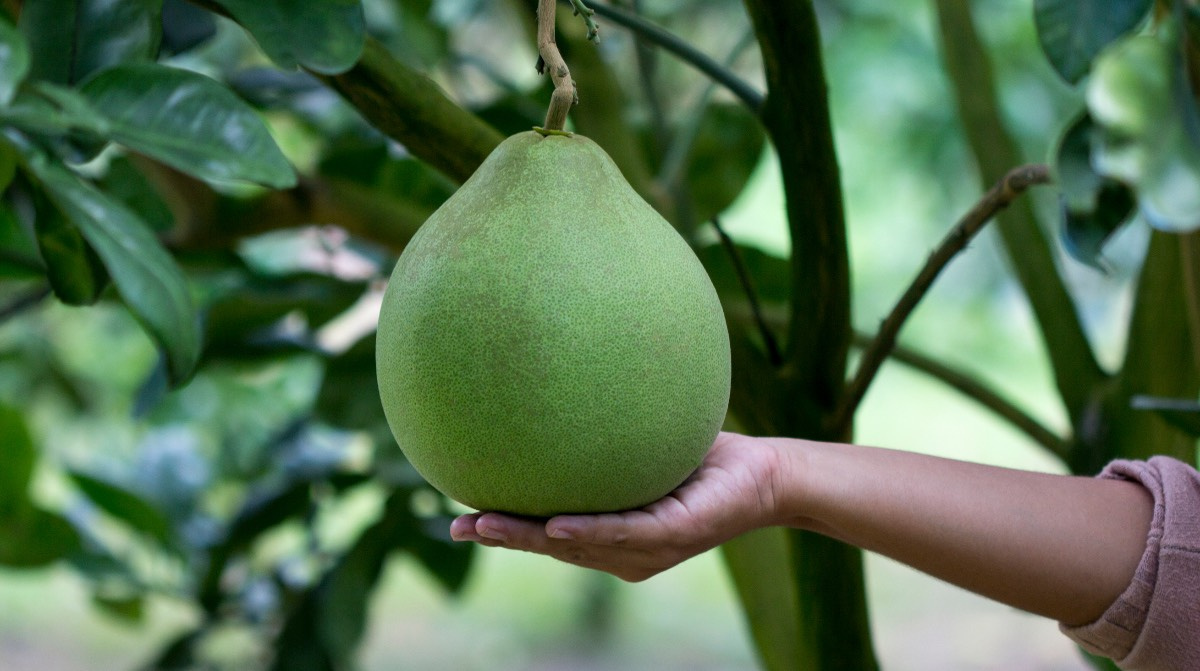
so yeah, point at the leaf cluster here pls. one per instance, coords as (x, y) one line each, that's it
(1135, 148)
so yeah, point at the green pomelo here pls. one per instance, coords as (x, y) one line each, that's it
(548, 343)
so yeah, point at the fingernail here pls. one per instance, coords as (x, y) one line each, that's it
(493, 533)
(462, 529)
(561, 534)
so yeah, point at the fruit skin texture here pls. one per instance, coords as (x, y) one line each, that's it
(548, 343)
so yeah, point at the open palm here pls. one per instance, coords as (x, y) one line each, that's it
(732, 492)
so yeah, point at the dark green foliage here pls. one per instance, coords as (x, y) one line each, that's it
(147, 278)
(726, 148)
(1094, 206)
(126, 506)
(1183, 414)
(74, 271)
(222, 283)
(72, 39)
(14, 60)
(36, 537)
(324, 36)
(1139, 142)
(1074, 32)
(187, 121)
(17, 459)
(29, 535)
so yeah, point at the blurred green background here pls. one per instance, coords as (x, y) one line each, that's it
(907, 176)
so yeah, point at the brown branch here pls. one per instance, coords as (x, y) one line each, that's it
(551, 61)
(205, 219)
(409, 107)
(996, 199)
(1077, 374)
(739, 268)
(976, 391)
(648, 32)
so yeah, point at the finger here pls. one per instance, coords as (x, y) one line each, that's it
(604, 529)
(628, 563)
(514, 532)
(648, 527)
(463, 528)
(530, 535)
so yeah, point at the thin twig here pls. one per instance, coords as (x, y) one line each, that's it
(593, 31)
(23, 302)
(749, 96)
(675, 158)
(647, 67)
(973, 389)
(739, 267)
(997, 198)
(551, 61)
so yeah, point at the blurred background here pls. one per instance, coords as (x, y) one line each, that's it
(260, 412)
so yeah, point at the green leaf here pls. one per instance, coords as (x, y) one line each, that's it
(238, 321)
(340, 402)
(56, 113)
(8, 164)
(185, 26)
(325, 36)
(17, 459)
(300, 646)
(124, 505)
(127, 607)
(726, 150)
(72, 267)
(14, 60)
(35, 538)
(448, 561)
(47, 26)
(1180, 413)
(1094, 206)
(769, 275)
(188, 121)
(1078, 181)
(1073, 32)
(1086, 232)
(18, 250)
(114, 32)
(348, 589)
(129, 185)
(1143, 140)
(414, 36)
(180, 652)
(145, 275)
(72, 39)
(267, 510)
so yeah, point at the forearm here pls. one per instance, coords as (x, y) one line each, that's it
(1060, 546)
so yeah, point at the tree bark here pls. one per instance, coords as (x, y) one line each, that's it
(828, 610)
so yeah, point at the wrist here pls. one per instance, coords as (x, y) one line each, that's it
(796, 482)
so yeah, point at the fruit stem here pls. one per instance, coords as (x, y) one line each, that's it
(552, 61)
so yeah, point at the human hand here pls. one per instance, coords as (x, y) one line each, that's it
(735, 490)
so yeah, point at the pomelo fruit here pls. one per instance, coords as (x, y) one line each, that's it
(548, 343)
